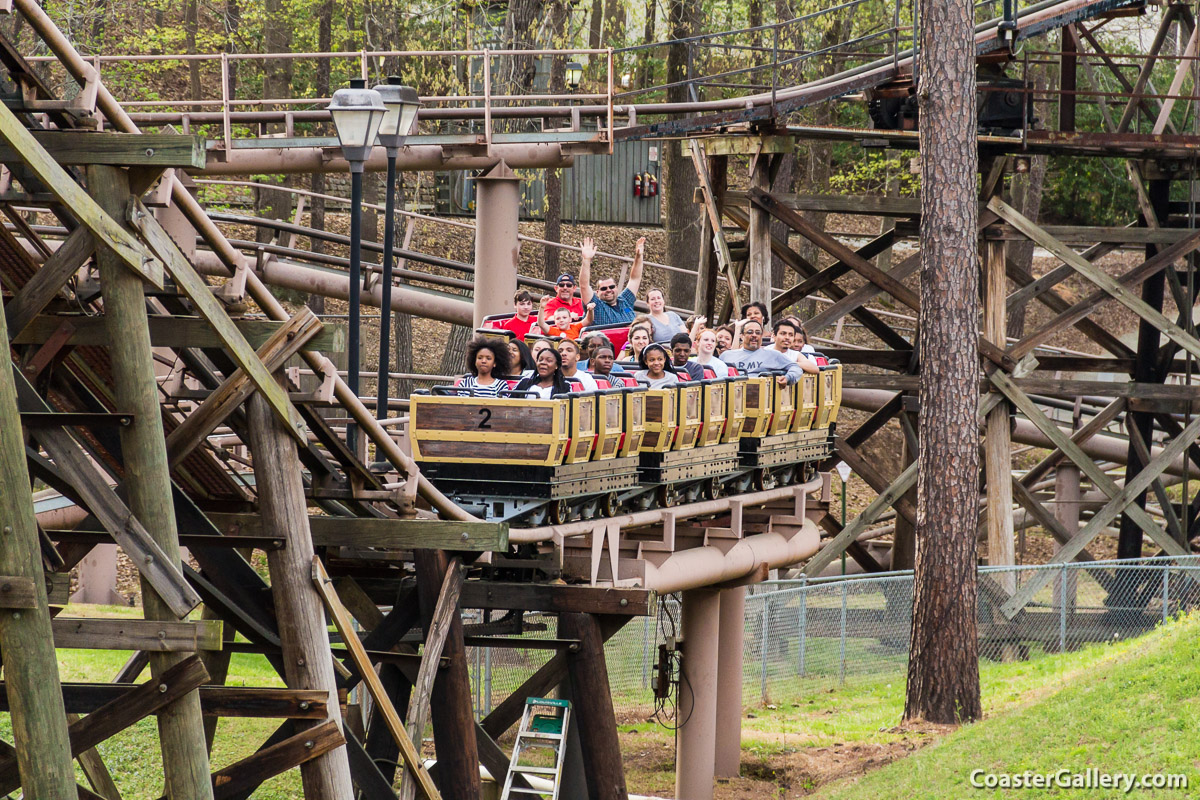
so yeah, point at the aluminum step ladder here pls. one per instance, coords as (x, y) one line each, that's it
(543, 730)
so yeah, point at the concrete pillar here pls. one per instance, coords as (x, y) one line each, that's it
(98, 578)
(694, 767)
(497, 207)
(1066, 511)
(729, 682)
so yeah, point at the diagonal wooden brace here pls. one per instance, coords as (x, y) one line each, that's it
(239, 350)
(108, 231)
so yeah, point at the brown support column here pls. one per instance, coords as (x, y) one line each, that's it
(1067, 79)
(728, 761)
(1066, 511)
(593, 709)
(497, 207)
(759, 236)
(451, 710)
(694, 767)
(298, 606)
(39, 720)
(706, 278)
(997, 448)
(143, 444)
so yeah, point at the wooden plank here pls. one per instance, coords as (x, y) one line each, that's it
(94, 769)
(216, 701)
(793, 260)
(1165, 504)
(834, 547)
(871, 249)
(129, 708)
(875, 479)
(18, 592)
(555, 598)
(80, 148)
(1085, 463)
(45, 284)
(997, 441)
(236, 346)
(841, 252)
(145, 554)
(859, 205)
(107, 230)
(435, 639)
(714, 219)
(1121, 501)
(345, 625)
(94, 633)
(276, 759)
(236, 388)
(1110, 286)
(175, 332)
(396, 534)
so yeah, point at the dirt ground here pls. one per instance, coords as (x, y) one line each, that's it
(790, 770)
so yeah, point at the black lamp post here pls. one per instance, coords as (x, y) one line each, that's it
(401, 103)
(357, 113)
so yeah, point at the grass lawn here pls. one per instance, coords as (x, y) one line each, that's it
(1136, 709)
(1126, 706)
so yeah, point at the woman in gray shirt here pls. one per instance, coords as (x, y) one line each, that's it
(664, 324)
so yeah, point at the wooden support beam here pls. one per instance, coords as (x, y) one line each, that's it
(236, 388)
(236, 346)
(96, 633)
(148, 698)
(709, 265)
(1117, 289)
(869, 205)
(1120, 502)
(1139, 85)
(81, 148)
(724, 262)
(146, 554)
(839, 251)
(295, 751)
(597, 726)
(298, 607)
(345, 626)
(45, 284)
(758, 237)
(453, 716)
(855, 550)
(107, 230)
(997, 443)
(1165, 503)
(176, 332)
(874, 478)
(817, 282)
(1084, 462)
(247, 702)
(554, 599)
(18, 592)
(436, 632)
(30, 664)
(148, 479)
(392, 534)
(801, 267)
(834, 547)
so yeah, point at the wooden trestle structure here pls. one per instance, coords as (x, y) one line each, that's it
(83, 412)
(1144, 387)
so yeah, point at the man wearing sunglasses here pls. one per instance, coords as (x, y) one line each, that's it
(564, 297)
(611, 308)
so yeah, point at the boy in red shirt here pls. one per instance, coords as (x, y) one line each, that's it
(563, 326)
(523, 320)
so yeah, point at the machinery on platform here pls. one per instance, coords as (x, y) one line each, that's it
(589, 455)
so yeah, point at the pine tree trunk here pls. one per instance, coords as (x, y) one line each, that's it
(943, 669)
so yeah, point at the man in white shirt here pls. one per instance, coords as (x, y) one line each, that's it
(569, 351)
(785, 338)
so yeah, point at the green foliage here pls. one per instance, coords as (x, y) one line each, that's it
(871, 173)
(1088, 191)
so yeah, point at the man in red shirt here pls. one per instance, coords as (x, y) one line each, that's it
(523, 320)
(564, 295)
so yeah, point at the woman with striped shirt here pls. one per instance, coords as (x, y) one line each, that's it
(488, 361)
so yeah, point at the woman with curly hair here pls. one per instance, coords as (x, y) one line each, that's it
(547, 379)
(488, 361)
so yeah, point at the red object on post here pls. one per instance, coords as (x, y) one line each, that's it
(637, 185)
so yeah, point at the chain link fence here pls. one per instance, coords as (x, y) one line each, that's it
(804, 636)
